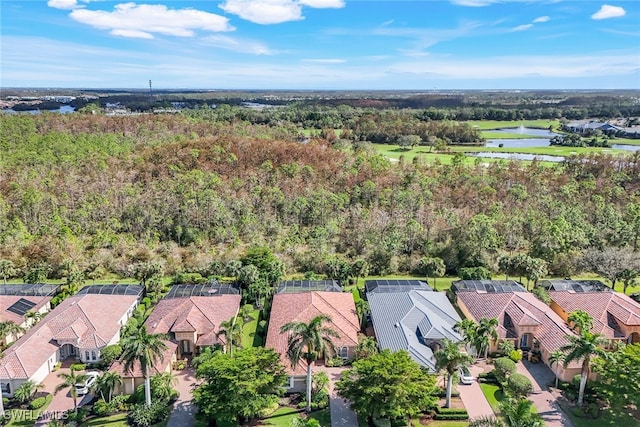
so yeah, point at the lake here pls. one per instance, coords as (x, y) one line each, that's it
(517, 156)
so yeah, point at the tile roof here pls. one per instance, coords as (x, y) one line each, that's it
(404, 320)
(599, 305)
(303, 307)
(7, 301)
(91, 319)
(524, 309)
(202, 315)
(158, 367)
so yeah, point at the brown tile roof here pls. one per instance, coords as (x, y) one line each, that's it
(158, 367)
(89, 318)
(202, 315)
(302, 307)
(7, 301)
(521, 307)
(599, 305)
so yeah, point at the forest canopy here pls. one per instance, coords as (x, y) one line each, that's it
(197, 189)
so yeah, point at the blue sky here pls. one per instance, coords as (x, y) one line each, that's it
(321, 44)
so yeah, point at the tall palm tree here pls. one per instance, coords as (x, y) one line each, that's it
(145, 349)
(583, 347)
(518, 413)
(107, 382)
(307, 341)
(467, 328)
(232, 331)
(556, 357)
(485, 333)
(449, 358)
(70, 380)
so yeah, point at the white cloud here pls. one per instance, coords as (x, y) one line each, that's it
(134, 34)
(132, 20)
(63, 4)
(238, 45)
(473, 3)
(323, 4)
(607, 11)
(522, 27)
(541, 19)
(274, 11)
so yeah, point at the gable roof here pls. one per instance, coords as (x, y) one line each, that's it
(199, 314)
(521, 308)
(90, 319)
(303, 307)
(408, 320)
(601, 305)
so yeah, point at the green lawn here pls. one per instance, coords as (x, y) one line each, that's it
(249, 338)
(500, 124)
(494, 395)
(607, 418)
(118, 420)
(283, 416)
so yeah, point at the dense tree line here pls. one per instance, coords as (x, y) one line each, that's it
(187, 191)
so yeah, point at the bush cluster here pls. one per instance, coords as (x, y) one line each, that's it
(145, 416)
(450, 414)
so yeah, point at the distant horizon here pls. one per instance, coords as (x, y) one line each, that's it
(321, 45)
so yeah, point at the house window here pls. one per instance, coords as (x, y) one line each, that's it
(524, 341)
(94, 356)
(6, 388)
(86, 355)
(344, 352)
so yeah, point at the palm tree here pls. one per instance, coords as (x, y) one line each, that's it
(307, 341)
(367, 346)
(70, 380)
(449, 358)
(556, 357)
(9, 328)
(485, 333)
(518, 413)
(363, 309)
(33, 317)
(26, 390)
(107, 382)
(232, 331)
(583, 347)
(145, 349)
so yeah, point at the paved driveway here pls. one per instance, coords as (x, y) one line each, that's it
(474, 401)
(184, 411)
(341, 414)
(61, 401)
(544, 399)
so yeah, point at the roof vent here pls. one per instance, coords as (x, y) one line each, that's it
(396, 325)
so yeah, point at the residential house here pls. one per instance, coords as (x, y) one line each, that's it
(79, 327)
(132, 378)
(18, 301)
(408, 315)
(303, 307)
(615, 315)
(192, 321)
(522, 318)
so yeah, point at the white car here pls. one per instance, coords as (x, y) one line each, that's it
(465, 375)
(83, 388)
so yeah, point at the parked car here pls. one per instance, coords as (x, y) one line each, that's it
(83, 388)
(465, 375)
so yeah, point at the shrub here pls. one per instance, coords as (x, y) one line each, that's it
(381, 422)
(506, 347)
(503, 367)
(179, 364)
(440, 410)
(145, 416)
(103, 409)
(542, 294)
(38, 402)
(76, 417)
(450, 414)
(516, 355)
(57, 366)
(78, 367)
(518, 385)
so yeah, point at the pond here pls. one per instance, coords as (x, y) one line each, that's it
(545, 133)
(517, 156)
(542, 138)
